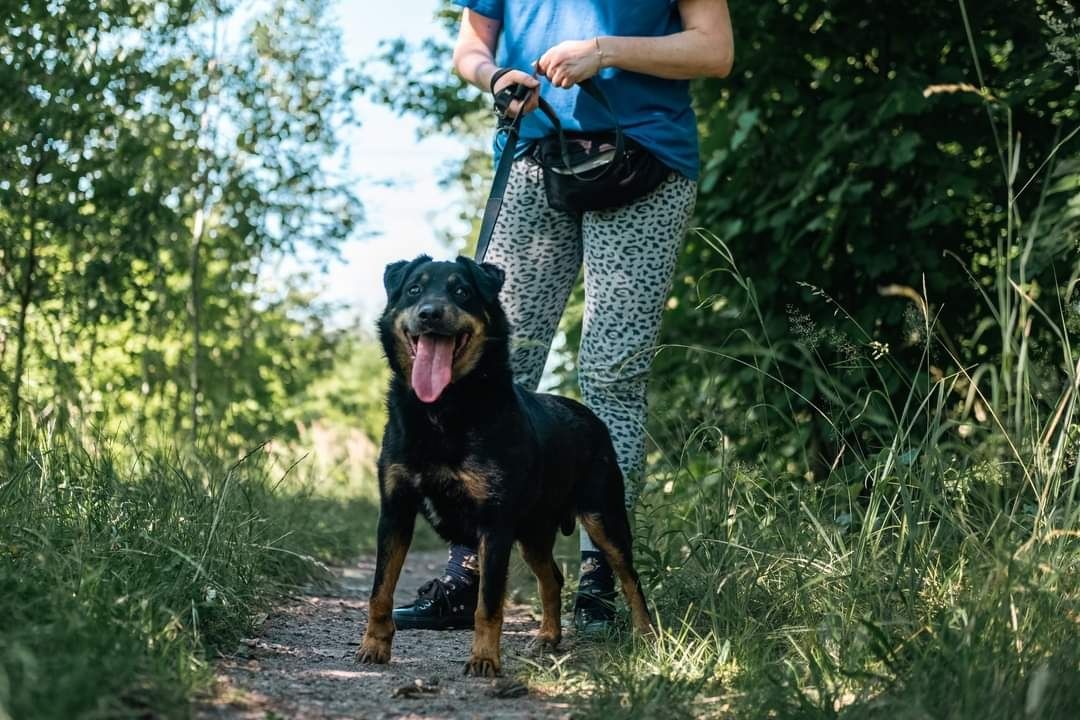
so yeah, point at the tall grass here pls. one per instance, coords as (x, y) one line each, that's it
(122, 571)
(935, 572)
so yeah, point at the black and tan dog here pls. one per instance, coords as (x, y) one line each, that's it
(487, 462)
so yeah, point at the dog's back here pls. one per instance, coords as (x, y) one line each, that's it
(576, 457)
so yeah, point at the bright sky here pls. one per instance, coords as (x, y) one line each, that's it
(396, 173)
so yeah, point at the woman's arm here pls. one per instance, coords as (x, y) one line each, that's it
(474, 59)
(704, 48)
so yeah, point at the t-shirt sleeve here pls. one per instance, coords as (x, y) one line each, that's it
(488, 8)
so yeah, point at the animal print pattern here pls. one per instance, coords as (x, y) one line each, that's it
(629, 255)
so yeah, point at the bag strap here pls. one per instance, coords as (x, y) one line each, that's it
(512, 127)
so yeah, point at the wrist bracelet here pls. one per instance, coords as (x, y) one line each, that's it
(599, 52)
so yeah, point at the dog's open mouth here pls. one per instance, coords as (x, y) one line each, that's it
(433, 362)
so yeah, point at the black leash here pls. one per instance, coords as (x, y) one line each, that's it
(502, 172)
(512, 127)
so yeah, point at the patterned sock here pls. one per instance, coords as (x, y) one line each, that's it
(463, 566)
(596, 576)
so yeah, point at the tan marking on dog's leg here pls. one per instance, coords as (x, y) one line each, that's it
(393, 474)
(375, 647)
(639, 613)
(484, 660)
(543, 566)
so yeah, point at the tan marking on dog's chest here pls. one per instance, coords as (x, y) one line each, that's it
(475, 481)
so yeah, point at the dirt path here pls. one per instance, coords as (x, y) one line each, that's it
(301, 665)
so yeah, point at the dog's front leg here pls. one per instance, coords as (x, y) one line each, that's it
(396, 523)
(494, 551)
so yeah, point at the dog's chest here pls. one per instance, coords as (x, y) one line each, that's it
(451, 497)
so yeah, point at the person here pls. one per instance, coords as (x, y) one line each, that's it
(642, 54)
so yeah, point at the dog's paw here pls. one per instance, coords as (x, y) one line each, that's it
(373, 651)
(543, 644)
(483, 667)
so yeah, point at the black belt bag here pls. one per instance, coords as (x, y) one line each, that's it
(595, 170)
(582, 171)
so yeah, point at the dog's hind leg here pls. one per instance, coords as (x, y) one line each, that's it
(550, 581)
(610, 531)
(394, 537)
(494, 552)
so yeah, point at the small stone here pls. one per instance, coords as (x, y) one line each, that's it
(416, 689)
(507, 689)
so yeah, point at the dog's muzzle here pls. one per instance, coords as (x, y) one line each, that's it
(434, 344)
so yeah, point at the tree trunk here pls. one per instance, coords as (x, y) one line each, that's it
(26, 296)
(194, 310)
(199, 227)
(26, 299)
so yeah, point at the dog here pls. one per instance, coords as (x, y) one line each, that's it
(486, 462)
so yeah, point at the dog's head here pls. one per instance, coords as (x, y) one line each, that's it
(439, 320)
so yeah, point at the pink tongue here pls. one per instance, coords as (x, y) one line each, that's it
(432, 367)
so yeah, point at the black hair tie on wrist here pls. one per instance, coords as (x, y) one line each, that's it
(496, 75)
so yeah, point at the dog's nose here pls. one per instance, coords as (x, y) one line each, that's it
(430, 311)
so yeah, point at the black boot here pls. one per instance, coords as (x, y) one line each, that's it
(594, 605)
(446, 603)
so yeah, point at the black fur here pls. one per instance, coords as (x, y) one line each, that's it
(536, 460)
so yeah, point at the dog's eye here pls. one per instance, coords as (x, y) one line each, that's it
(461, 293)
(414, 290)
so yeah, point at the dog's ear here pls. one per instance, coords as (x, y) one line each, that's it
(487, 278)
(395, 274)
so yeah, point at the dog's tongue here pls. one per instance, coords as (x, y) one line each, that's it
(432, 367)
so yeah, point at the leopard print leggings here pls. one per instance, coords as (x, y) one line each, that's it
(629, 255)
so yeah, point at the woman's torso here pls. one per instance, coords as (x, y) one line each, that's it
(654, 111)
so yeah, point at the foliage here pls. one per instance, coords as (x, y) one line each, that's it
(150, 180)
(863, 168)
(1064, 22)
(353, 392)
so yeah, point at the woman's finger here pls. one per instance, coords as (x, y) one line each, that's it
(543, 63)
(518, 77)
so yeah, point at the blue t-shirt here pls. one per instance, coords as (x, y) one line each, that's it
(654, 111)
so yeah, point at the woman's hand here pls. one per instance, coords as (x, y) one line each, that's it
(570, 62)
(519, 78)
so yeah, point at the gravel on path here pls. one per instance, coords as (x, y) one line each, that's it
(301, 664)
